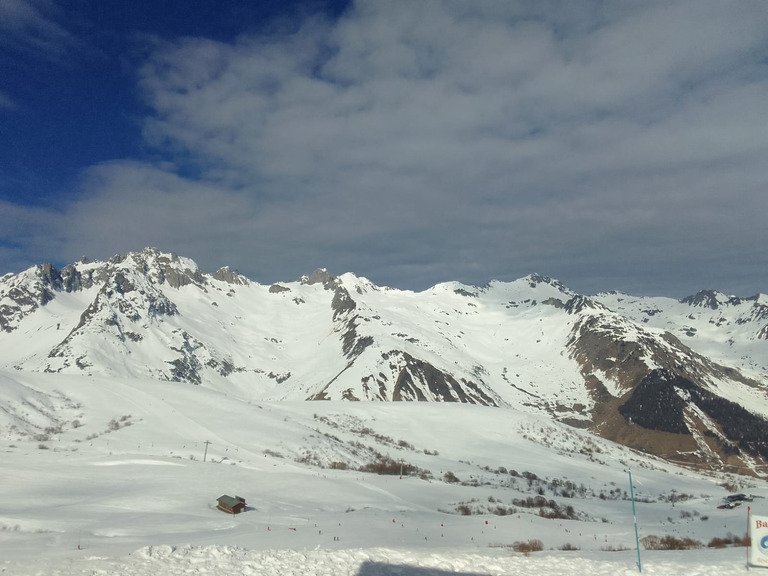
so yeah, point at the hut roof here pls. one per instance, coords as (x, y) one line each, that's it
(228, 501)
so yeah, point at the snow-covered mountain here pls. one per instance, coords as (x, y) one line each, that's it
(682, 379)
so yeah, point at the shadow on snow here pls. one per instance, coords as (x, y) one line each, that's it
(370, 568)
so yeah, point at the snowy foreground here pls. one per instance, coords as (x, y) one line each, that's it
(108, 476)
(223, 560)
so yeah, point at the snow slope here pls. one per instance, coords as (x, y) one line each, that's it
(233, 561)
(101, 476)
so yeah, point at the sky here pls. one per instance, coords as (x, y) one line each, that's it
(611, 145)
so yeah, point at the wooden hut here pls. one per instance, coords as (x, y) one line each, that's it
(231, 505)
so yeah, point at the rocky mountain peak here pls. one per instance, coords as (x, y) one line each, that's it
(578, 304)
(711, 299)
(226, 274)
(319, 276)
(165, 267)
(536, 279)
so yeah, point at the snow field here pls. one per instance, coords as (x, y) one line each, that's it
(233, 561)
(129, 487)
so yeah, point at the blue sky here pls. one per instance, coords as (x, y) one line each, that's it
(610, 145)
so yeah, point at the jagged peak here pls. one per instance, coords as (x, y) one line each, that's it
(35, 280)
(230, 276)
(152, 255)
(359, 284)
(536, 279)
(319, 276)
(161, 267)
(579, 303)
(714, 299)
(612, 293)
(703, 299)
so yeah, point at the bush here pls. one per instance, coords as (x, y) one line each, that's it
(450, 477)
(668, 542)
(728, 540)
(528, 546)
(746, 541)
(718, 543)
(613, 548)
(387, 466)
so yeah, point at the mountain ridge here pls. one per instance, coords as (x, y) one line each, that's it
(531, 343)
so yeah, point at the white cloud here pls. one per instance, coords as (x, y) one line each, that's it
(463, 140)
(31, 25)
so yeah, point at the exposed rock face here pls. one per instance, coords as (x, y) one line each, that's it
(186, 366)
(23, 294)
(598, 345)
(419, 380)
(168, 268)
(342, 302)
(319, 276)
(713, 299)
(578, 304)
(230, 276)
(536, 279)
(662, 386)
(705, 298)
(668, 402)
(655, 403)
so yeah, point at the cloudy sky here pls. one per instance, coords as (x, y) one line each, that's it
(611, 145)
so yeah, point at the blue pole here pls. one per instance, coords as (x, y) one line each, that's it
(634, 516)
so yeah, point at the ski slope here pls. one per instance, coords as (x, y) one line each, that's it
(105, 476)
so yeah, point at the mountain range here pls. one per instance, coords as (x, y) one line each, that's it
(685, 379)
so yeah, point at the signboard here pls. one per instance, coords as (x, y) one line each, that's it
(758, 530)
